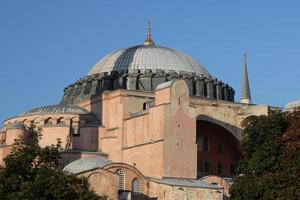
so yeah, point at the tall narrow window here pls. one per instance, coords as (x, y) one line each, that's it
(219, 168)
(206, 166)
(203, 143)
(205, 89)
(220, 148)
(136, 186)
(121, 174)
(232, 169)
(200, 143)
(144, 106)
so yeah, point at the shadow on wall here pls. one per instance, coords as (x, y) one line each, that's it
(234, 130)
(218, 150)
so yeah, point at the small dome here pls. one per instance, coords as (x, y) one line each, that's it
(86, 164)
(294, 105)
(56, 109)
(151, 57)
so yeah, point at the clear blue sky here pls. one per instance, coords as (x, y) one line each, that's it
(47, 45)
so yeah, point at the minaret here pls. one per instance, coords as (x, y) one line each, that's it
(245, 95)
(149, 41)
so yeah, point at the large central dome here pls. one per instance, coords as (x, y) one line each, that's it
(151, 57)
(143, 68)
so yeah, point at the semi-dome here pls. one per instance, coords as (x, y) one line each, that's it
(86, 164)
(148, 57)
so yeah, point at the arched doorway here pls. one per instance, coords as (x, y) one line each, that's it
(217, 150)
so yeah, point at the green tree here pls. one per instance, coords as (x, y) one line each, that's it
(271, 158)
(32, 172)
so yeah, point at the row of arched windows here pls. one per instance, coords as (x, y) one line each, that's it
(136, 184)
(219, 168)
(59, 121)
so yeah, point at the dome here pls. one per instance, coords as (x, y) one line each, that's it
(149, 57)
(56, 109)
(294, 105)
(86, 164)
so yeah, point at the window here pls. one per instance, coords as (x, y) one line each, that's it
(215, 91)
(205, 89)
(60, 120)
(136, 186)
(219, 168)
(87, 88)
(121, 174)
(220, 148)
(203, 143)
(232, 169)
(78, 89)
(206, 166)
(48, 121)
(200, 143)
(144, 106)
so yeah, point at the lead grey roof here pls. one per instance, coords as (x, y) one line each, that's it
(86, 164)
(292, 105)
(148, 57)
(185, 182)
(56, 109)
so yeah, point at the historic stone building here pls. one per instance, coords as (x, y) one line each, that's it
(146, 122)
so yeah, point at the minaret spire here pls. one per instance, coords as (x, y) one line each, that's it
(149, 40)
(245, 95)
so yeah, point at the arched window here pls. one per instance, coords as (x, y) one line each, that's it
(136, 186)
(87, 88)
(232, 169)
(219, 168)
(60, 120)
(48, 120)
(206, 166)
(144, 106)
(121, 174)
(220, 148)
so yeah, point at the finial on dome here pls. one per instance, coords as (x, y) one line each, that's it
(149, 40)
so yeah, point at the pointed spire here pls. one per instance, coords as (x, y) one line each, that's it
(149, 40)
(245, 95)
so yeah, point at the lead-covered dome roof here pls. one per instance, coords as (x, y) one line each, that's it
(151, 57)
(56, 109)
(86, 164)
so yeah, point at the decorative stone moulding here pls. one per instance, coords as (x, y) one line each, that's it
(145, 80)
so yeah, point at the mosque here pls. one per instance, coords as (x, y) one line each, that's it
(146, 122)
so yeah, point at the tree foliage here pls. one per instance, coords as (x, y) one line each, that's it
(32, 172)
(270, 167)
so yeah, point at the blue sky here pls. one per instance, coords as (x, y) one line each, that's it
(47, 45)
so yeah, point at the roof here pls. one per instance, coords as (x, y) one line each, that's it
(292, 105)
(86, 164)
(151, 57)
(56, 109)
(185, 182)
